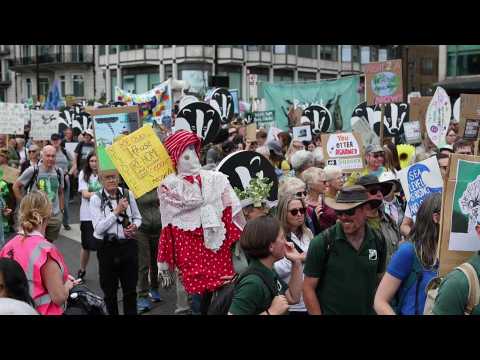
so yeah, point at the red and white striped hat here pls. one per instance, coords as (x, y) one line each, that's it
(179, 141)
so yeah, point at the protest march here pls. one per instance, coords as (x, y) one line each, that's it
(327, 201)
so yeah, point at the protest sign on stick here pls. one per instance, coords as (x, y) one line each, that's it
(13, 118)
(459, 238)
(141, 159)
(344, 150)
(469, 125)
(438, 117)
(44, 124)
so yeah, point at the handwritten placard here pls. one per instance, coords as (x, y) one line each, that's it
(44, 124)
(13, 118)
(383, 82)
(141, 159)
(413, 134)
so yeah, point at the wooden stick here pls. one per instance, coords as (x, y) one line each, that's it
(382, 111)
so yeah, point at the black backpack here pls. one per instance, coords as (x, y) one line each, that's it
(82, 301)
(223, 297)
(33, 179)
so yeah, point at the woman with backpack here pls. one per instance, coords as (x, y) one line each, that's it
(291, 214)
(413, 265)
(259, 290)
(88, 184)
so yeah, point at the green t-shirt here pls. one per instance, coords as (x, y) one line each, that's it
(452, 295)
(251, 295)
(349, 281)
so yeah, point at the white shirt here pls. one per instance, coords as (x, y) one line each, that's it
(105, 221)
(283, 268)
(93, 185)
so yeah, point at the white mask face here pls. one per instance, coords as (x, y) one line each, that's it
(188, 163)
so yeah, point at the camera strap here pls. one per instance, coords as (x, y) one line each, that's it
(107, 202)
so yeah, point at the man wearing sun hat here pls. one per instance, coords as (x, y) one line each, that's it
(343, 263)
(377, 219)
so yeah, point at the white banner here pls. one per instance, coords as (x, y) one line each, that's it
(44, 124)
(12, 118)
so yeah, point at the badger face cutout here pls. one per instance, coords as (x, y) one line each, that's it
(394, 117)
(222, 101)
(319, 118)
(199, 118)
(242, 166)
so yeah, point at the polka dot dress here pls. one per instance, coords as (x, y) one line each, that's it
(201, 268)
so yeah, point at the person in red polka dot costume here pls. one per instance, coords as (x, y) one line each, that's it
(198, 210)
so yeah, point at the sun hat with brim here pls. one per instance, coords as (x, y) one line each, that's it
(389, 177)
(371, 180)
(350, 197)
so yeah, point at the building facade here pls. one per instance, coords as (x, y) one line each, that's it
(92, 71)
(459, 69)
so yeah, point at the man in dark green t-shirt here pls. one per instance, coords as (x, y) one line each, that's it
(344, 262)
(453, 294)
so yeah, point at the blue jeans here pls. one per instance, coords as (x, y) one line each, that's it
(66, 199)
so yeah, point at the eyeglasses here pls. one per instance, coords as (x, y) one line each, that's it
(349, 212)
(301, 193)
(32, 151)
(294, 212)
(377, 155)
(374, 190)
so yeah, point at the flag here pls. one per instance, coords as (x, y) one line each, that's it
(53, 101)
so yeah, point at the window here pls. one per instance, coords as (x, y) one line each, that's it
(267, 48)
(77, 53)
(101, 50)
(62, 85)
(306, 76)
(280, 49)
(252, 47)
(382, 55)
(291, 49)
(2, 95)
(329, 52)
(373, 54)
(151, 46)
(167, 46)
(78, 86)
(346, 53)
(468, 64)
(307, 51)
(44, 86)
(427, 66)
(112, 49)
(26, 51)
(355, 53)
(237, 46)
(130, 47)
(29, 88)
(365, 55)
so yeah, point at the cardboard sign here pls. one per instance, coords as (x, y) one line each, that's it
(418, 110)
(251, 132)
(273, 134)
(469, 116)
(302, 133)
(70, 147)
(344, 150)
(264, 119)
(438, 116)
(419, 180)
(9, 174)
(109, 125)
(44, 124)
(456, 111)
(383, 82)
(413, 133)
(141, 159)
(458, 237)
(13, 117)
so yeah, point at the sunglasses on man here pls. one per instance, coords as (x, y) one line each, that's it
(294, 212)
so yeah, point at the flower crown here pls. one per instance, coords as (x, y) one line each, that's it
(257, 191)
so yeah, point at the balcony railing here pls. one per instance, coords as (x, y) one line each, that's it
(4, 50)
(56, 58)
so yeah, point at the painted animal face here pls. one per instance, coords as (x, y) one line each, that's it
(199, 118)
(319, 118)
(243, 166)
(222, 101)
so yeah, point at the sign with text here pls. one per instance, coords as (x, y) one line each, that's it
(418, 110)
(264, 119)
(13, 118)
(412, 131)
(44, 124)
(344, 150)
(469, 116)
(383, 82)
(302, 133)
(419, 180)
(141, 159)
(438, 116)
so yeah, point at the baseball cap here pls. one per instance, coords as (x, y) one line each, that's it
(373, 148)
(55, 137)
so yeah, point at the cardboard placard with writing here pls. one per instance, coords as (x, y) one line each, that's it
(412, 131)
(141, 159)
(469, 125)
(344, 150)
(458, 238)
(251, 132)
(44, 124)
(13, 118)
(383, 82)
(418, 110)
(109, 126)
(9, 174)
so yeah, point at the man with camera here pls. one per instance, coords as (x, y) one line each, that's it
(116, 218)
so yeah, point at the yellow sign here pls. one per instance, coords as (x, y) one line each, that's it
(141, 159)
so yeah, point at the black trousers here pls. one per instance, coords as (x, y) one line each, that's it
(119, 262)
